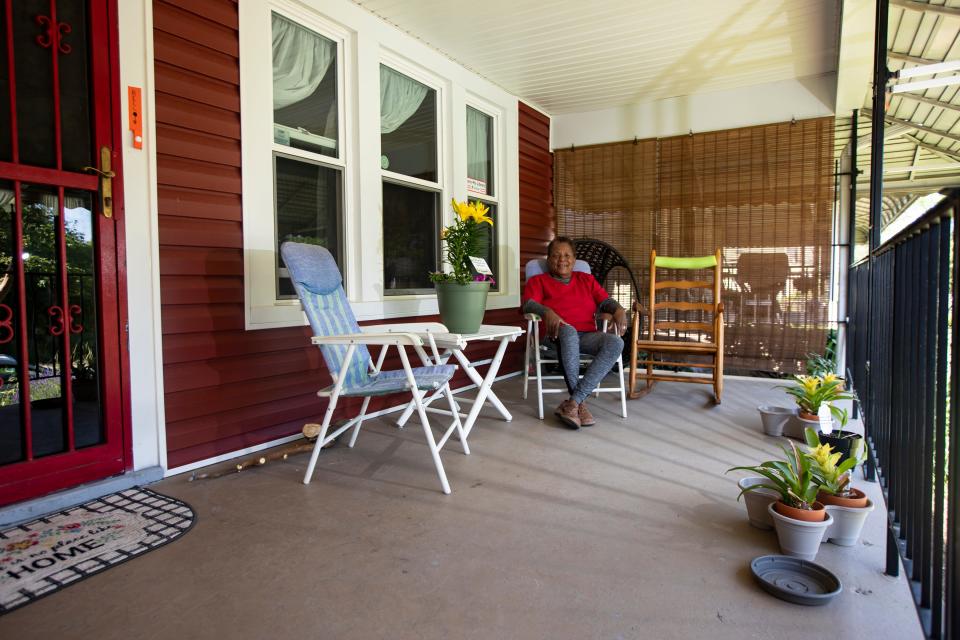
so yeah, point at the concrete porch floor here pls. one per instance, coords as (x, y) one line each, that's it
(628, 529)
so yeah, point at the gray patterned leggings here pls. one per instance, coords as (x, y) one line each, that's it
(604, 347)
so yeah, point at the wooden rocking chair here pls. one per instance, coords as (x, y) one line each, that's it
(673, 336)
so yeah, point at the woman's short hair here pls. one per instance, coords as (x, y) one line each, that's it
(562, 240)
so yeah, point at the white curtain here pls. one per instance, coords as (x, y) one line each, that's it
(400, 97)
(300, 60)
(478, 158)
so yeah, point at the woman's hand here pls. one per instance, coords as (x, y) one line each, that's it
(620, 321)
(551, 323)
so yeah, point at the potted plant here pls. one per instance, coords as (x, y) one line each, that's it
(847, 443)
(462, 295)
(799, 519)
(810, 394)
(848, 506)
(819, 366)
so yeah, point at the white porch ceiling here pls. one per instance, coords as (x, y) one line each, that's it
(566, 56)
(921, 152)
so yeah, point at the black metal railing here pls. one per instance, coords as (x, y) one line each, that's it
(902, 361)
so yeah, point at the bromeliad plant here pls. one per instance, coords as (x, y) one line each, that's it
(811, 392)
(464, 238)
(832, 477)
(791, 477)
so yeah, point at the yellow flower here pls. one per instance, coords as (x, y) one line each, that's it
(830, 377)
(480, 213)
(809, 383)
(462, 209)
(824, 458)
(472, 210)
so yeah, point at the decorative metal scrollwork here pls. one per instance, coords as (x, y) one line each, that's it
(57, 322)
(53, 32)
(74, 309)
(45, 39)
(6, 324)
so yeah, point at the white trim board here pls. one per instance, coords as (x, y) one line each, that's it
(273, 443)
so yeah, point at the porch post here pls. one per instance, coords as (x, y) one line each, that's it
(845, 230)
(880, 77)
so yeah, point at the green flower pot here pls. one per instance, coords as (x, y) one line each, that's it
(462, 305)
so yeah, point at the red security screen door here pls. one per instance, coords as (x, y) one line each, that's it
(61, 415)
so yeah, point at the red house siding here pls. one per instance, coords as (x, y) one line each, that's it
(537, 219)
(227, 388)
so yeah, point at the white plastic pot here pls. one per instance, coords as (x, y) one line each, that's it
(798, 538)
(757, 502)
(795, 427)
(775, 418)
(847, 523)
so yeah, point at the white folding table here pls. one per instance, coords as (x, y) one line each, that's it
(443, 345)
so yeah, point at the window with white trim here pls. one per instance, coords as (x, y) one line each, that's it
(308, 165)
(410, 169)
(481, 174)
(362, 156)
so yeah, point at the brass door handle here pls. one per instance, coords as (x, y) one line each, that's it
(106, 181)
(102, 174)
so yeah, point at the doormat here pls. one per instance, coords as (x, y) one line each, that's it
(42, 556)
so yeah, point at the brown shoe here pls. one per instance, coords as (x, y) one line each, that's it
(586, 418)
(569, 414)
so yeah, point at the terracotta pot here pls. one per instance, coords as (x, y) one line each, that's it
(857, 501)
(808, 416)
(817, 514)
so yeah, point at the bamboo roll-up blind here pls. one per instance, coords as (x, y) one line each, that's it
(762, 194)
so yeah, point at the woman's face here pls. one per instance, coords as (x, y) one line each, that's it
(561, 259)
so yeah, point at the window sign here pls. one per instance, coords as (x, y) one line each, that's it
(479, 152)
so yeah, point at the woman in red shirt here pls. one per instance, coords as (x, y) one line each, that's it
(568, 301)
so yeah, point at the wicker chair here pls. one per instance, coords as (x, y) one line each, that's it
(603, 258)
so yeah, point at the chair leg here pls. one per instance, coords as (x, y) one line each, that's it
(359, 419)
(635, 335)
(623, 389)
(718, 362)
(422, 412)
(718, 379)
(526, 362)
(328, 416)
(539, 374)
(431, 442)
(533, 329)
(454, 410)
(320, 438)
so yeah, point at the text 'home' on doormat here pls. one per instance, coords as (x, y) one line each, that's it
(39, 557)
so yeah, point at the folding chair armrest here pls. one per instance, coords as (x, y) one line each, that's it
(399, 339)
(605, 320)
(720, 308)
(406, 327)
(639, 308)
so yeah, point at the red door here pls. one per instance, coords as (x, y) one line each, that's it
(61, 352)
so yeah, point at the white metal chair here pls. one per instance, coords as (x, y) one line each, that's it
(344, 347)
(537, 353)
